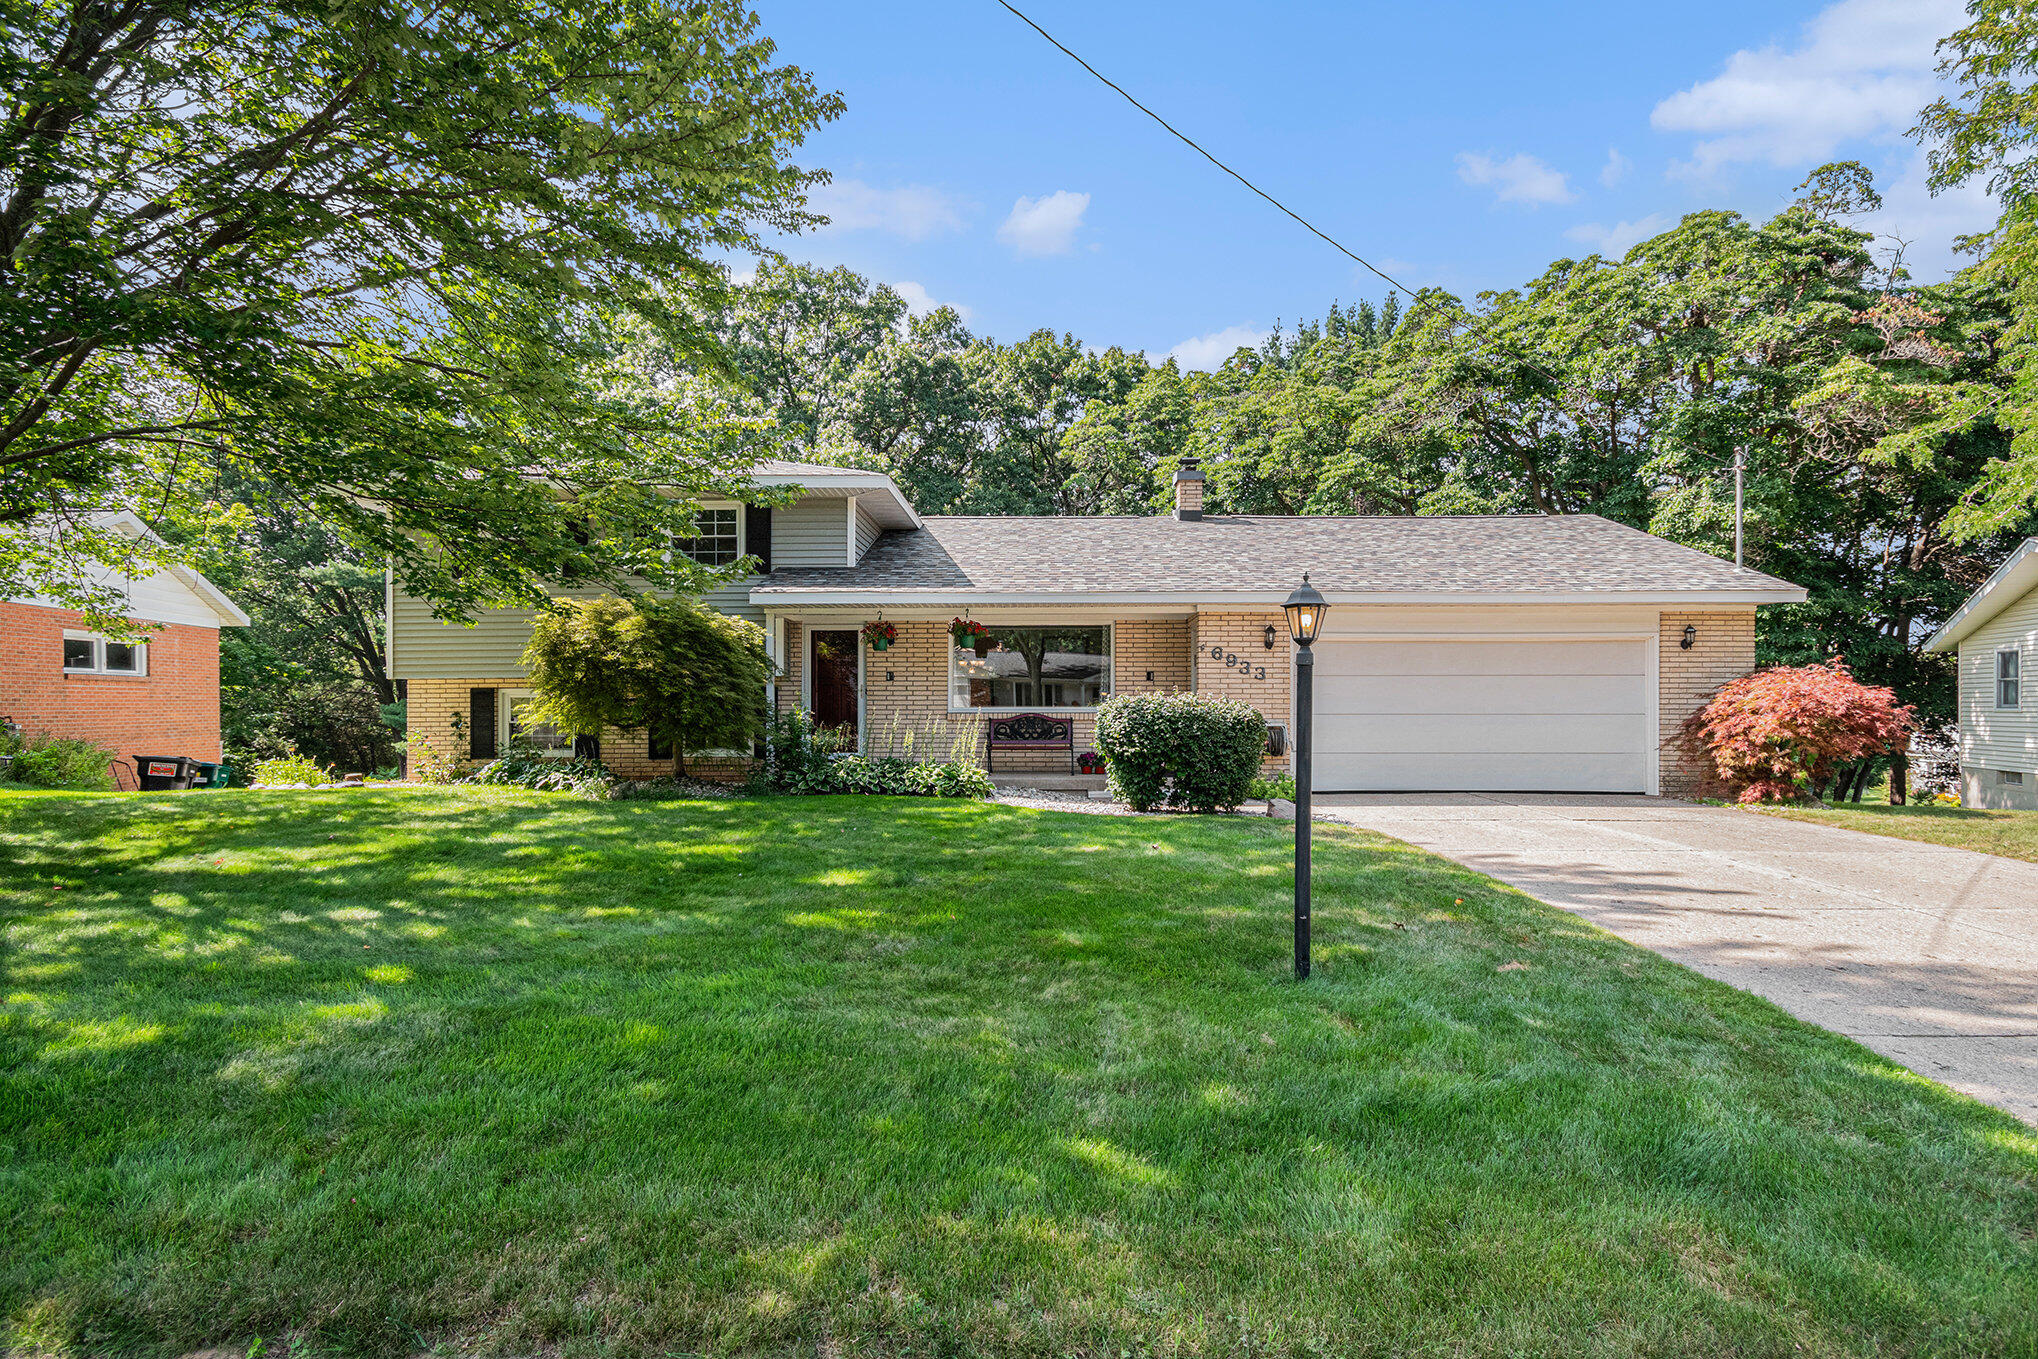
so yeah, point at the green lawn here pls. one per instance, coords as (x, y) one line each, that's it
(2014, 835)
(500, 1072)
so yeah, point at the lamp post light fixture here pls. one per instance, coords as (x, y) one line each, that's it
(1305, 609)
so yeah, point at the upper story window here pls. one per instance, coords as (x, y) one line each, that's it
(87, 653)
(716, 541)
(1031, 668)
(2009, 686)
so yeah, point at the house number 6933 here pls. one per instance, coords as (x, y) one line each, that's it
(1251, 671)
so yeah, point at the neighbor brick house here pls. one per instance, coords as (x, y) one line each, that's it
(58, 677)
(1498, 652)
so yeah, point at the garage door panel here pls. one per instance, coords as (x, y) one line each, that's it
(1486, 733)
(1482, 658)
(1441, 773)
(1376, 694)
(1505, 716)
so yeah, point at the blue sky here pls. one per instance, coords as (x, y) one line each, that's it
(1462, 144)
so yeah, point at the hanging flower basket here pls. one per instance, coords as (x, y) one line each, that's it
(880, 634)
(972, 634)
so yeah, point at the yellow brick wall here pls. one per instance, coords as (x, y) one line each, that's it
(792, 664)
(1261, 676)
(433, 703)
(1724, 649)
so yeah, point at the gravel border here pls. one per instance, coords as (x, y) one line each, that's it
(1057, 800)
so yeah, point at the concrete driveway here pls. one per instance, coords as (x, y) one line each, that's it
(1927, 955)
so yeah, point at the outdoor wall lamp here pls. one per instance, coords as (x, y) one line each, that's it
(1305, 609)
(1690, 636)
(1270, 636)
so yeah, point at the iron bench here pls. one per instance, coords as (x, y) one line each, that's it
(1030, 731)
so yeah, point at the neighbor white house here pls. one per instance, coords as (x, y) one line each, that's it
(1995, 635)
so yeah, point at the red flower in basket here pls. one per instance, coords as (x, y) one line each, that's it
(970, 633)
(880, 634)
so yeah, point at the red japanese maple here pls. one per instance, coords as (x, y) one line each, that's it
(1780, 734)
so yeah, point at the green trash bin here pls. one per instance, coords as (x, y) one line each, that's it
(208, 774)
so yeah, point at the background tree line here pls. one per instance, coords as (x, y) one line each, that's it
(1616, 387)
(262, 286)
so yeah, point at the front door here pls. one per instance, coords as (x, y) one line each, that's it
(834, 662)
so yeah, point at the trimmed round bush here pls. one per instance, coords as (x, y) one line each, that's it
(1185, 751)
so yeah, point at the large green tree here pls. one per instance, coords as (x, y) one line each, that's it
(690, 677)
(1986, 127)
(391, 261)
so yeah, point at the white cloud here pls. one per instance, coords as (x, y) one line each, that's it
(1926, 224)
(913, 211)
(1521, 178)
(1045, 226)
(1616, 168)
(919, 301)
(1861, 68)
(1616, 240)
(1205, 353)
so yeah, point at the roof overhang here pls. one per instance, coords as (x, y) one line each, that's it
(130, 524)
(877, 492)
(2015, 578)
(787, 597)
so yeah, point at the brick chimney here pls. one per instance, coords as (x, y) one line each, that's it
(1188, 491)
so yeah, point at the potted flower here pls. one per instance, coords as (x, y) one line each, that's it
(972, 634)
(1091, 762)
(880, 634)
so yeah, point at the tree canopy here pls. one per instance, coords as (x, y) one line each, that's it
(388, 261)
(691, 678)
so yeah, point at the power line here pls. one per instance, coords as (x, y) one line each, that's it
(1304, 222)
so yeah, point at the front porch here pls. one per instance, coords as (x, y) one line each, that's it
(909, 700)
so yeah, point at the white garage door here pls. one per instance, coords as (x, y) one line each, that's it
(1506, 716)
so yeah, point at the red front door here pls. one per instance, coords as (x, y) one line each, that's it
(834, 662)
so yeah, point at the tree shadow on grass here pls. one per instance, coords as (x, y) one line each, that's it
(739, 1075)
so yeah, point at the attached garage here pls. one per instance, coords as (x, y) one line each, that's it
(1486, 714)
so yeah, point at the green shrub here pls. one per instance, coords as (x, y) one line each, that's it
(427, 765)
(798, 755)
(62, 762)
(894, 777)
(524, 766)
(289, 769)
(1268, 789)
(802, 758)
(1185, 751)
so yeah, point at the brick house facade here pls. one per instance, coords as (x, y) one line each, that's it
(164, 697)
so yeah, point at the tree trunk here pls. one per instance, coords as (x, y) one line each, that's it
(1899, 780)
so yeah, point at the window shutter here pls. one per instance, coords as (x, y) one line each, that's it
(757, 533)
(658, 748)
(481, 723)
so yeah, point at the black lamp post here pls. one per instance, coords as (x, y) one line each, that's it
(1305, 609)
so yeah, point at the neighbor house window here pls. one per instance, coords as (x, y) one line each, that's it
(2009, 776)
(1065, 667)
(716, 540)
(2008, 686)
(87, 653)
(543, 737)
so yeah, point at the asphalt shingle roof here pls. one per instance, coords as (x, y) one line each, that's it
(1253, 553)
